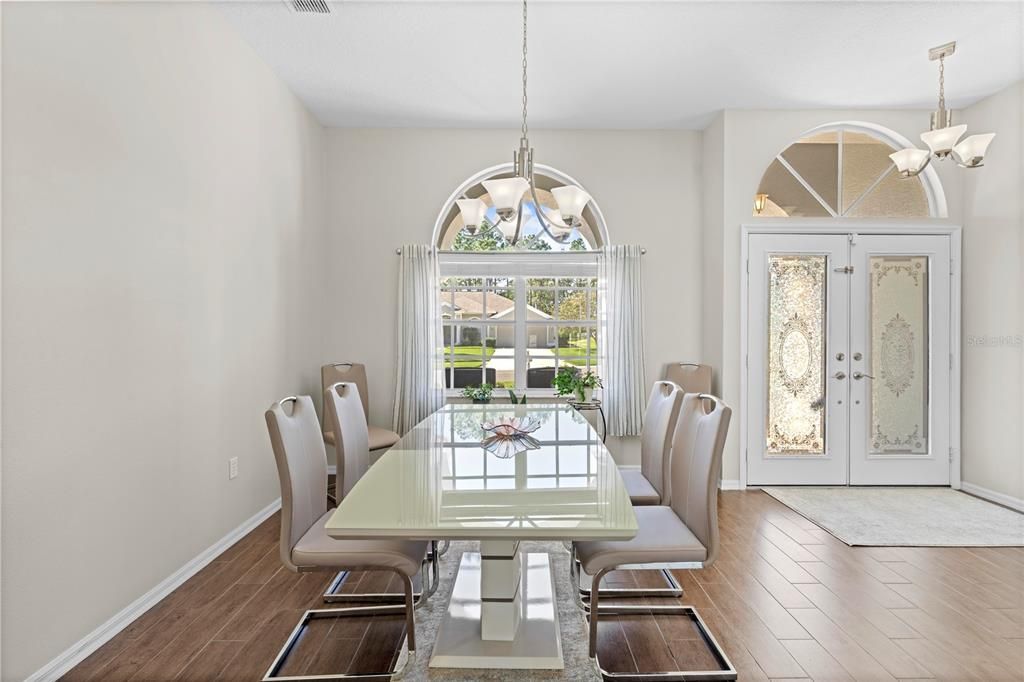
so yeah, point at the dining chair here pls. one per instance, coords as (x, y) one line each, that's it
(378, 437)
(344, 413)
(649, 484)
(681, 535)
(298, 447)
(689, 376)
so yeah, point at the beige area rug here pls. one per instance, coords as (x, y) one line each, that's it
(571, 622)
(905, 517)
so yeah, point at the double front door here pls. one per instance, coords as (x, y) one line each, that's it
(848, 365)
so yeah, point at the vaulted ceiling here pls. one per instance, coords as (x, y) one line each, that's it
(626, 64)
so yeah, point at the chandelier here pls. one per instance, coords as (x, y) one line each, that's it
(507, 193)
(943, 138)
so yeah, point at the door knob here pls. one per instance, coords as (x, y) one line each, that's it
(857, 356)
(841, 375)
(862, 375)
(840, 356)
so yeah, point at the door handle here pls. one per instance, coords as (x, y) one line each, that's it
(862, 375)
(841, 375)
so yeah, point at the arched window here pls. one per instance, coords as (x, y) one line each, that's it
(843, 170)
(513, 316)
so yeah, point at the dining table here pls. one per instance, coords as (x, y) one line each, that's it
(440, 482)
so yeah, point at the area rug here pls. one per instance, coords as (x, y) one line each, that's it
(574, 635)
(905, 517)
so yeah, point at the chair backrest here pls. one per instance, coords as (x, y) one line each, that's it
(461, 377)
(301, 466)
(344, 413)
(656, 437)
(697, 447)
(689, 376)
(351, 372)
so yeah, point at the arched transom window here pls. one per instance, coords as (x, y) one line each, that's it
(514, 315)
(843, 170)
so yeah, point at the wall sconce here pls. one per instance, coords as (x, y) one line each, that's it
(760, 201)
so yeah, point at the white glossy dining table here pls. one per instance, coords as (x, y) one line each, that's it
(439, 483)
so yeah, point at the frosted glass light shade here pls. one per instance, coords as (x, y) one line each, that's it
(571, 200)
(507, 228)
(472, 211)
(942, 140)
(555, 222)
(910, 162)
(970, 152)
(506, 194)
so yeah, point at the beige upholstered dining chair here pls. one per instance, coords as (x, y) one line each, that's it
(649, 485)
(343, 412)
(378, 437)
(305, 545)
(683, 534)
(689, 376)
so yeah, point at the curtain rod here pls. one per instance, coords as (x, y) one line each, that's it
(398, 251)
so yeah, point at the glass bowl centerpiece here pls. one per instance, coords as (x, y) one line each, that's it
(510, 435)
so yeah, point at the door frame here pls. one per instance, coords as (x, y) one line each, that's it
(844, 226)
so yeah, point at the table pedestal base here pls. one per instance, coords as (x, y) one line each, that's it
(527, 625)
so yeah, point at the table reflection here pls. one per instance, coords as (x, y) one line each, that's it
(567, 457)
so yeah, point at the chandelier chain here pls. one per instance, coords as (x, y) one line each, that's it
(525, 129)
(942, 83)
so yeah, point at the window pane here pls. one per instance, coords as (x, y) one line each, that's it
(899, 355)
(893, 197)
(571, 304)
(816, 160)
(499, 304)
(541, 303)
(501, 352)
(864, 161)
(468, 304)
(796, 355)
(788, 194)
(465, 356)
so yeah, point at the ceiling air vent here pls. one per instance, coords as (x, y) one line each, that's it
(308, 6)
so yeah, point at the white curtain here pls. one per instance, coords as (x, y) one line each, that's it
(419, 385)
(620, 283)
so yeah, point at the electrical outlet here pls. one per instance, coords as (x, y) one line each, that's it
(232, 468)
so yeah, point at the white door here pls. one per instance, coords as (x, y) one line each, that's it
(848, 360)
(797, 384)
(900, 360)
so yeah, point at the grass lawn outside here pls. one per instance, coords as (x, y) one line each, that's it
(466, 356)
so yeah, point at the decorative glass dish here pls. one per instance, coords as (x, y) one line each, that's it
(510, 435)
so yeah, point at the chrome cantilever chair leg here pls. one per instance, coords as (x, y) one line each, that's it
(408, 608)
(432, 561)
(724, 670)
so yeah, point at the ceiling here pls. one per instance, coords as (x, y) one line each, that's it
(626, 64)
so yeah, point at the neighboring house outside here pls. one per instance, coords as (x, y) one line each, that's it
(469, 305)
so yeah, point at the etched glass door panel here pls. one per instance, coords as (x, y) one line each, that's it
(900, 364)
(898, 396)
(797, 364)
(796, 355)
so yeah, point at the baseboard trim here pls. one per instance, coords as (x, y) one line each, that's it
(1005, 500)
(104, 633)
(730, 484)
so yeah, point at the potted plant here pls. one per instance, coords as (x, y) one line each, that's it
(478, 394)
(571, 382)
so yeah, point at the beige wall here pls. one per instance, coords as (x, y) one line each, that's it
(751, 140)
(385, 188)
(162, 215)
(993, 312)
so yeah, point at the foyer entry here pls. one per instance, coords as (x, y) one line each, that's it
(849, 359)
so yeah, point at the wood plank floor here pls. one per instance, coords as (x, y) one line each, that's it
(786, 600)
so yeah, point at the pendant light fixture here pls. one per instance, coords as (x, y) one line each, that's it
(507, 193)
(943, 138)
